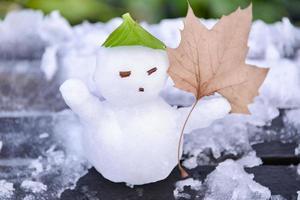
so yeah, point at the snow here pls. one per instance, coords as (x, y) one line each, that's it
(33, 186)
(43, 31)
(298, 195)
(230, 181)
(277, 197)
(179, 187)
(1, 144)
(44, 135)
(297, 150)
(298, 169)
(6, 189)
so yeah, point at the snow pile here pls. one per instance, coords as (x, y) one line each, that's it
(33, 186)
(6, 189)
(283, 40)
(26, 33)
(225, 137)
(230, 181)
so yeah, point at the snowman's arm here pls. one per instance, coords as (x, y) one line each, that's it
(78, 97)
(205, 112)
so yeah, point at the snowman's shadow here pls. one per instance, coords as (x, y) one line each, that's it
(94, 186)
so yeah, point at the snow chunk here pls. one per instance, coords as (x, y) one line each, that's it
(230, 181)
(250, 160)
(277, 197)
(297, 150)
(179, 187)
(6, 189)
(33, 186)
(49, 62)
(44, 135)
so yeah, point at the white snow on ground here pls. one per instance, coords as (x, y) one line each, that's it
(6, 189)
(33, 186)
(228, 181)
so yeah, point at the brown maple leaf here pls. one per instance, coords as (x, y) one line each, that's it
(213, 60)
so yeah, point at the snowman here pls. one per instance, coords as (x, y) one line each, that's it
(133, 135)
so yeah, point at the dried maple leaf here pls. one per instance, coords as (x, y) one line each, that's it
(209, 61)
(213, 60)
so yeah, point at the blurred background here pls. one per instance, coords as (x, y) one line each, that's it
(153, 11)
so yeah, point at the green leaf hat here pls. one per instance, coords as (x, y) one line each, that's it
(130, 33)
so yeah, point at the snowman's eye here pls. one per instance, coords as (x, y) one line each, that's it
(150, 71)
(124, 74)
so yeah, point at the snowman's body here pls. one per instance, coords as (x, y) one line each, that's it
(137, 148)
(132, 136)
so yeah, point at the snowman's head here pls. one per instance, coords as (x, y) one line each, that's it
(129, 75)
(131, 65)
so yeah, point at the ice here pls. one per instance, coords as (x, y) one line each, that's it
(36, 157)
(6, 189)
(179, 187)
(230, 181)
(33, 186)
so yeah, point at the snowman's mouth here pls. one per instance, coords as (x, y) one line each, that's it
(141, 89)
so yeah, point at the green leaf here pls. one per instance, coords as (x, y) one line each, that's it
(130, 33)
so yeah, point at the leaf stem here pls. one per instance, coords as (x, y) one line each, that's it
(181, 169)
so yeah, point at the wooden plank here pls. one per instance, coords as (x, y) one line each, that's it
(277, 153)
